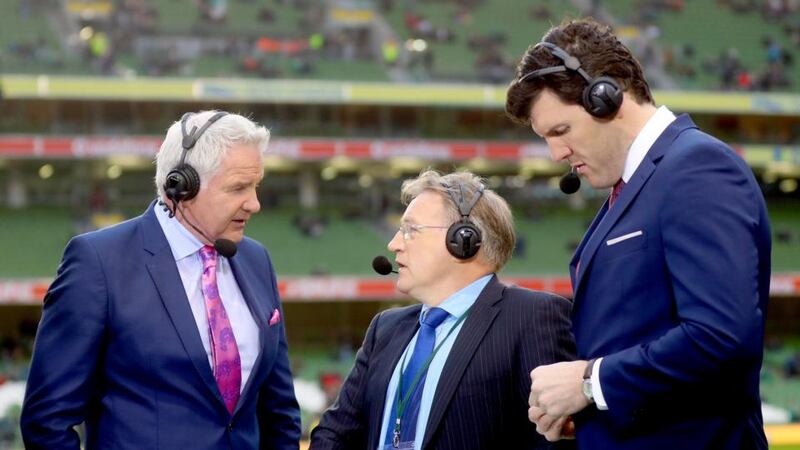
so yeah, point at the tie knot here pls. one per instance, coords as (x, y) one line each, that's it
(209, 256)
(618, 186)
(434, 317)
(615, 192)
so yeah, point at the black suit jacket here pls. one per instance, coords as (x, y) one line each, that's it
(481, 400)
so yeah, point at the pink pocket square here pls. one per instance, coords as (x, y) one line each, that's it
(276, 317)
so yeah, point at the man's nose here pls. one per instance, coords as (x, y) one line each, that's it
(252, 205)
(396, 243)
(558, 151)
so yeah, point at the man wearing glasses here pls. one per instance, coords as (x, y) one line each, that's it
(452, 371)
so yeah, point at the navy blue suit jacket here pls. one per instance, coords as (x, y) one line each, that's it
(676, 306)
(481, 400)
(118, 349)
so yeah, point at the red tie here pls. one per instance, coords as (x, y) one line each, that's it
(615, 192)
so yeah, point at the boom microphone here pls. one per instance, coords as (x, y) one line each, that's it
(382, 265)
(224, 247)
(570, 182)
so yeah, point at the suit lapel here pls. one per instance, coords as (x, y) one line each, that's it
(389, 347)
(574, 267)
(469, 338)
(259, 316)
(626, 197)
(167, 280)
(611, 217)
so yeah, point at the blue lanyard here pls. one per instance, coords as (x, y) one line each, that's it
(402, 402)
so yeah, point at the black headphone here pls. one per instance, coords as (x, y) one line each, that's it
(602, 96)
(183, 182)
(463, 237)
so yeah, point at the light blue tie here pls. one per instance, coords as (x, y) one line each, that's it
(426, 338)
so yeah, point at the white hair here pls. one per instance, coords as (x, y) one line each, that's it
(212, 146)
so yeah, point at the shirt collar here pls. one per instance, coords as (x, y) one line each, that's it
(181, 241)
(645, 139)
(458, 303)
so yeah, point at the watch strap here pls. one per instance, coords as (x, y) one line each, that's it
(587, 374)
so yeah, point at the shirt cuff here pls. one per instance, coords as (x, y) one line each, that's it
(597, 390)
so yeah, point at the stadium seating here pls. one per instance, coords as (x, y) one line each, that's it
(778, 387)
(28, 43)
(508, 25)
(468, 41)
(36, 237)
(465, 40)
(690, 23)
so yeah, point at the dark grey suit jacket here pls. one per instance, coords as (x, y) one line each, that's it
(481, 400)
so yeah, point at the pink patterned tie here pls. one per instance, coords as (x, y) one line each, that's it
(224, 352)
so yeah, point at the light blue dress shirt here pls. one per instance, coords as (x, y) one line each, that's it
(185, 248)
(457, 304)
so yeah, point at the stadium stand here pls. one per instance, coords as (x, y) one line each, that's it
(206, 53)
(333, 244)
(457, 40)
(702, 53)
(469, 38)
(28, 42)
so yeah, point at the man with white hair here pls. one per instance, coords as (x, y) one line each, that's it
(153, 334)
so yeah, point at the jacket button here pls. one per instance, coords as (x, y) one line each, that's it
(230, 426)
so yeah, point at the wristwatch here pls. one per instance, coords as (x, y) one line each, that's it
(587, 381)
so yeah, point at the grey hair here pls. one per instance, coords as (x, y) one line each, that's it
(209, 151)
(491, 214)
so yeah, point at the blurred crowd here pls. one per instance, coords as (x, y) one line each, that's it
(293, 38)
(769, 71)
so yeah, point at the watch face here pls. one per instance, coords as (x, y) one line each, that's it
(587, 389)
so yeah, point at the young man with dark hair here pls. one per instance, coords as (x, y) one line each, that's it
(672, 278)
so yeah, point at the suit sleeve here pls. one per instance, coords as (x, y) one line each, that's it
(278, 411)
(344, 424)
(67, 350)
(547, 339)
(713, 238)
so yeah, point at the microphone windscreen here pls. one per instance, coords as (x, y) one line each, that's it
(569, 183)
(382, 265)
(225, 247)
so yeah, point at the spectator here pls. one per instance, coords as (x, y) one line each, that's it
(214, 11)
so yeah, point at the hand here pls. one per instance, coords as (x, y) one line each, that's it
(552, 428)
(557, 390)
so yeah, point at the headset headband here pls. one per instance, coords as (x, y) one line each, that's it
(463, 208)
(190, 139)
(570, 63)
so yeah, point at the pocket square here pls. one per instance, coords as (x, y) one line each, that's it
(625, 237)
(276, 317)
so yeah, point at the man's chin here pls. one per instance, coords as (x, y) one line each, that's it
(236, 237)
(400, 286)
(599, 185)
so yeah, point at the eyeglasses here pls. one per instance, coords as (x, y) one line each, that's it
(408, 230)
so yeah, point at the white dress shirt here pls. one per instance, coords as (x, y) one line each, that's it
(636, 153)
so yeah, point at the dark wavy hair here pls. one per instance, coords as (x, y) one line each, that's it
(600, 54)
